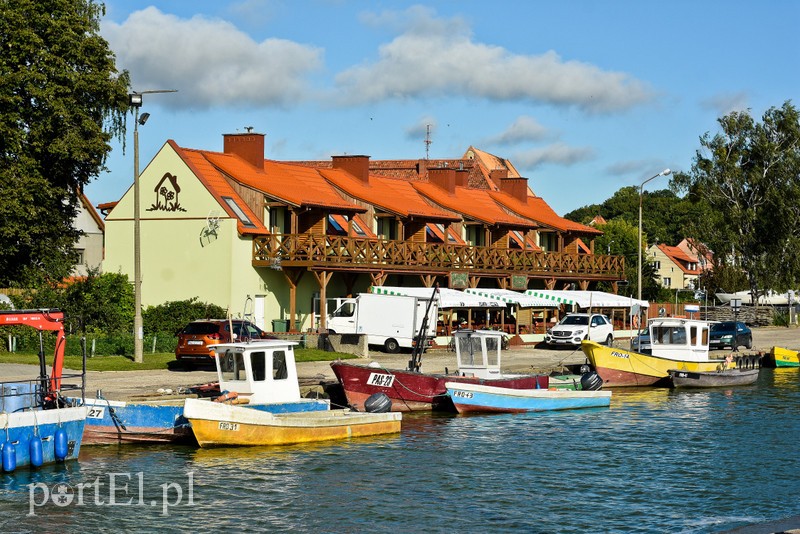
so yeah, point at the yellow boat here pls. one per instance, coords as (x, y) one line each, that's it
(784, 357)
(216, 424)
(258, 379)
(677, 344)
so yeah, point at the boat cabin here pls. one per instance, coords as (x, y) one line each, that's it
(679, 339)
(478, 352)
(261, 371)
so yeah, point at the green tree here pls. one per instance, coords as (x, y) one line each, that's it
(621, 238)
(172, 316)
(61, 102)
(749, 176)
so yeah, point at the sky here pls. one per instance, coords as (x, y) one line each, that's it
(583, 97)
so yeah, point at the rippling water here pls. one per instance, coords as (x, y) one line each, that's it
(656, 461)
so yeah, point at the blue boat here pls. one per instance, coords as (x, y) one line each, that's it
(240, 382)
(470, 398)
(37, 424)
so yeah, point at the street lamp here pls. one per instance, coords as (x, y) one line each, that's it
(135, 100)
(665, 172)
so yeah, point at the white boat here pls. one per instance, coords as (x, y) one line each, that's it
(263, 373)
(769, 298)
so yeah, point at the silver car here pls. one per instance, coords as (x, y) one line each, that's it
(641, 342)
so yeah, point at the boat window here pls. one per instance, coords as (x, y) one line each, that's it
(705, 336)
(669, 335)
(232, 366)
(467, 347)
(258, 363)
(693, 335)
(279, 371)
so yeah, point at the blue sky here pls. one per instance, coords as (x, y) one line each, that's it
(584, 97)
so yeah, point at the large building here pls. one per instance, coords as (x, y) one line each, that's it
(234, 227)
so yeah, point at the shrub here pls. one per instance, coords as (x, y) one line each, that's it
(173, 316)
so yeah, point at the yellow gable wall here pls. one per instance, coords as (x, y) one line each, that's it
(176, 263)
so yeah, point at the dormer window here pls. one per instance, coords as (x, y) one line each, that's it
(245, 220)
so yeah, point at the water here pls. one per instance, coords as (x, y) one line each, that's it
(656, 461)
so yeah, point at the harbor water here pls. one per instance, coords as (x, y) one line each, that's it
(657, 460)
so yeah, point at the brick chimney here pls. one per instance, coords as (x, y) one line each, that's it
(248, 146)
(443, 177)
(516, 187)
(462, 178)
(498, 174)
(358, 166)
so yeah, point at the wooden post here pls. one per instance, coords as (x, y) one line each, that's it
(322, 279)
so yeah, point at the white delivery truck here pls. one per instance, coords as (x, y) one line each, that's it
(391, 321)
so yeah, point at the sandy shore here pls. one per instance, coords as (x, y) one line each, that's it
(129, 385)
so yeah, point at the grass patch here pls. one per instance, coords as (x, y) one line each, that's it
(164, 360)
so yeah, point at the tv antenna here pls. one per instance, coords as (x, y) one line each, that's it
(427, 140)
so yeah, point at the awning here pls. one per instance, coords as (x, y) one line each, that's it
(513, 297)
(585, 299)
(448, 298)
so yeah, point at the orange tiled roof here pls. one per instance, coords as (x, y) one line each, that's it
(216, 184)
(680, 258)
(473, 203)
(538, 210)
(394, 196)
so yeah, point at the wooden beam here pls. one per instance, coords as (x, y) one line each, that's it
(428, 279)
(583, 284)
(550, 283)
(323, 277)
(379, 278)
(293, 277)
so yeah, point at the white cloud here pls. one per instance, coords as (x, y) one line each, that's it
(419, 130)
(557, 153)
(438, 57)
(722, 104)
(523, 129)
(210, 61)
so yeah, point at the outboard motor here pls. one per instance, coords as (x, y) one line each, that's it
(378, 403)
(591, 381)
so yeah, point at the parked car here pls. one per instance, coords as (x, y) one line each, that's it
(576, 327)
(640, 342)
(733, 334)
(196, 338)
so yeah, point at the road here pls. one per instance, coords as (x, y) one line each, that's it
(129, 385)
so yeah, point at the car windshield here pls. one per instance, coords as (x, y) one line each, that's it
(575, 319)
(727, 326)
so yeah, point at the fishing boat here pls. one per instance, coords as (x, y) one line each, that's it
(37, 423)
(240, 418)
(710, 379)
(471, 398)
(677, 343)
(478, 360)
(780, 357)
(109, 421)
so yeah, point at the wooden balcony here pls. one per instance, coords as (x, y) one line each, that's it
(336, 253)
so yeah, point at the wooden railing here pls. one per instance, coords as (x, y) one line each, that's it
(348, 253)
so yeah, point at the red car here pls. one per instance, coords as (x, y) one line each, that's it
(197, 337)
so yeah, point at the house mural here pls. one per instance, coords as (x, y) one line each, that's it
(167, 191)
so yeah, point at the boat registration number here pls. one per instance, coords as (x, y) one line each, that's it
(462, 394)
(224, 425)
(194, 342)
(95, 412)
(381, 380)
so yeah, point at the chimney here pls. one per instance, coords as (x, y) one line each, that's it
(516, 187)
(443, 177)
(248, 146)
(498, 174)
(422, 168)
(358, 166)
(462, 178)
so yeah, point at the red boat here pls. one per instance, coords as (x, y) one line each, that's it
(478, 357)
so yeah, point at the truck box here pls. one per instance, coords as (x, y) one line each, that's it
(390, 321)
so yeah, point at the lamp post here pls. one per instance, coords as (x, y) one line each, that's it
(135, 100)
(665, 172)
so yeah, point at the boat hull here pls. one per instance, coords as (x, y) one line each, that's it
(781, 357)
(109, 422)
(622, 368)
(25, 426)
(217, 424)
(410, 392)
(471, 398)
(726, 378)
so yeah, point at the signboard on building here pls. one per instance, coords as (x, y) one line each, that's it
(459, 280)
(519, 282)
